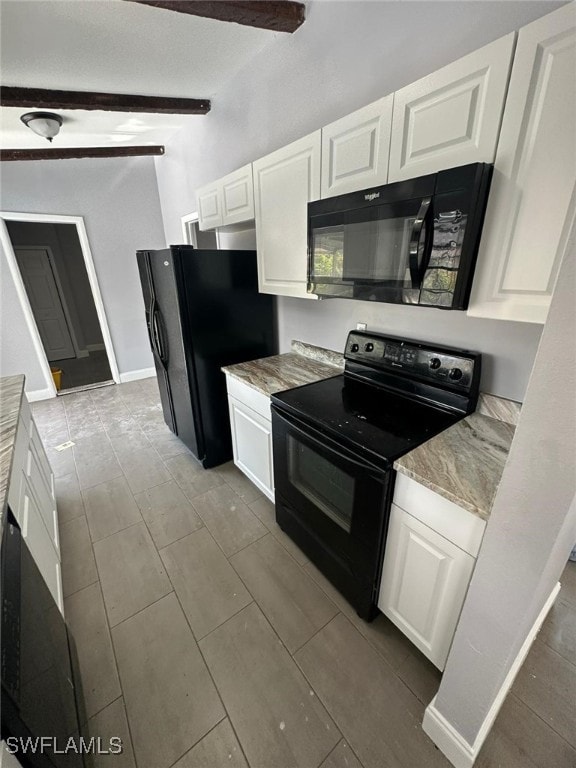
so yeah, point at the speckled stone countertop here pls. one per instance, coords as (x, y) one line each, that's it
(464, 463)
(303, 365)
(11, 393)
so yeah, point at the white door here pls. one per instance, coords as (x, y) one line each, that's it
(284, 183)
(46, 303)
(451, 117)
(355, 149)
(424, 582)
(532, 201)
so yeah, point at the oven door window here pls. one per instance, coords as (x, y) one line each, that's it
(325, 485)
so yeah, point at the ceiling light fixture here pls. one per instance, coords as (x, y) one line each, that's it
(45, 124)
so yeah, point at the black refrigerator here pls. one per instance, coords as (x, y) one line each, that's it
(203, 311)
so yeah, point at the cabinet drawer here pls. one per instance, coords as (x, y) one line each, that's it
(255, 400)
(461, 527)
(17, 472)
(40, 545)
(41, 482)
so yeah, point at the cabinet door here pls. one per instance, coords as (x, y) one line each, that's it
(40, 479)
(252, 445)
(40, 544)
(238, 196)
(210, 207)
(424, 582)
(284, 183)
(532, 201)
(451, 117)
(355, 149)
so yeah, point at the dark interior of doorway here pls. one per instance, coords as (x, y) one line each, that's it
(54, 274)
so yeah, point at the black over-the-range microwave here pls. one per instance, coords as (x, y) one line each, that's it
(409, 242)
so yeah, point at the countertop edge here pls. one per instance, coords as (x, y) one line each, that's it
(8, 432)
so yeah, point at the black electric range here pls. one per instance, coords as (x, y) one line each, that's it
(335, 442)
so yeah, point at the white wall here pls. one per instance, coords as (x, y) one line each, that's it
(531, 530)
(118, 199)
(346, 55)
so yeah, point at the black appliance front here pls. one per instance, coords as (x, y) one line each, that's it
(334, 505)
(410, 242)
(203, 312)
(38, 695)
(335, 442)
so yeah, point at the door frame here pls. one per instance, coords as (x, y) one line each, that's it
(6, 242)
(192, 218)
(79, 352)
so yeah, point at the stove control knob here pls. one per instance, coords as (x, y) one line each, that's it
(435, 363)
(369, 347)
(455, 374)
(354, 348)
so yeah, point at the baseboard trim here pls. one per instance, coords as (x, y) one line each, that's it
(460, 752)
(40, 394)
(95, 347)
(143, 373)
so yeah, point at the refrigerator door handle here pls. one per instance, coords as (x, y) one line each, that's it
(160, 336)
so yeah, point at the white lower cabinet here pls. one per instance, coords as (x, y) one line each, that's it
(251, 426)
(32, 500)
(426, 575)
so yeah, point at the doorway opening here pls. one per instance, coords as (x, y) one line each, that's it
(52, 265)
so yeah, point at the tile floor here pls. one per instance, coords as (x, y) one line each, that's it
(206, 639)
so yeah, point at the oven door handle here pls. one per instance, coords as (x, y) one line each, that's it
(326, 443)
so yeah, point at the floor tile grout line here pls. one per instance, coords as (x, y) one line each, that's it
(216, 688)
(254, 599)
(117, 666)
(197, 639)
(101, 591)
(99, 712)
(189, 749)
(136, 613)
(546, 723)
(85, 586)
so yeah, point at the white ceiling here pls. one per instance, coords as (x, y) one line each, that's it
(115, 47)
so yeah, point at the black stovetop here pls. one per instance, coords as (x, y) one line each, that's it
(367, 418)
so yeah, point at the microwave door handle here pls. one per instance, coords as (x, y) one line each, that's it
(413, 263)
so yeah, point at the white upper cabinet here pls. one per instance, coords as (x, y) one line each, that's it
(532, 200)
(229, 200)
(355, 149)
(451, 117)
(238, 196)
(210, 206)
(284, 182)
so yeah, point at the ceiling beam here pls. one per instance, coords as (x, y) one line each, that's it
(79, 152)
(42, 98)
(279, 16)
